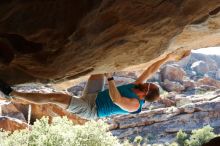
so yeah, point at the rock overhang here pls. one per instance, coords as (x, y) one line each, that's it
(71, 39)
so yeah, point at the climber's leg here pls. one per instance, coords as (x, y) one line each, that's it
(85, 107)
(59, 99)
(94, 84)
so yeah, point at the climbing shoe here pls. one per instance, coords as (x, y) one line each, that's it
(5, 88)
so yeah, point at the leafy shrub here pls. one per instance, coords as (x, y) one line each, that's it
(200, 136)
(181, 137)
(138, 140)
(197, 137)
(61, 132)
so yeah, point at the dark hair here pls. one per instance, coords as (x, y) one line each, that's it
(153, 93)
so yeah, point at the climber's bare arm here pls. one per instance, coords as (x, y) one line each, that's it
(155, 66)
(59, 99)
(151, 70)
(127, 104)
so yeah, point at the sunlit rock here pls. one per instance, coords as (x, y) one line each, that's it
(172, 73)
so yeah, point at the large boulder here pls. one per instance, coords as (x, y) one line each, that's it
(200, 67)
(172, 73)
(172, 86)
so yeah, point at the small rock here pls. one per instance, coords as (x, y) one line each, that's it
(172, 86)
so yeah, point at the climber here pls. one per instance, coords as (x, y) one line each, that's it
(96, 102)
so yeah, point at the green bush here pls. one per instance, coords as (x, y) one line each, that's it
(200, 136)
(138, 140)
(197, 137)
(61, 132)
(181, 137)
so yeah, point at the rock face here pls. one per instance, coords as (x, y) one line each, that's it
(161, 125)
(51, 40)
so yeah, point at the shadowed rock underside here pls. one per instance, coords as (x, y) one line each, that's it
(63, 40)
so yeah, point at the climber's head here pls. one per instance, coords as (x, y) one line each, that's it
(150, 91)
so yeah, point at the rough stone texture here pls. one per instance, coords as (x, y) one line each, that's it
(172, 73)
(54, 40)
(162, 123)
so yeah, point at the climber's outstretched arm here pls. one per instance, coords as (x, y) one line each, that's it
(173, 56)
(59, 99)
(151, 70)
